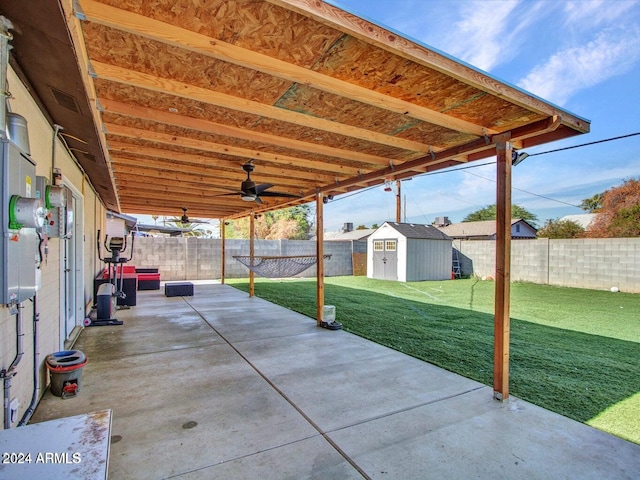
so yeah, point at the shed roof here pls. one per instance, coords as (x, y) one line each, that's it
(163, 102)
(418, 231)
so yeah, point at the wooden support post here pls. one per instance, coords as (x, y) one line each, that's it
(320, 257)
(222, 254)
(503, 270)
(252, 234)
(398, 203)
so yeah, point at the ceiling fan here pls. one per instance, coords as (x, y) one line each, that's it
(185, 218)
(250, 192)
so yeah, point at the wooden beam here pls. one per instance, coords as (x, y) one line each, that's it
(211, 176)
(207, 126)
(483, 147)
(503, 270)
(222, 253)
(245, 153)
(184, 90)
(172, 205)
(215, 48)
(320, 257)
(82, 57)
(252, 236)
(443, 158)
(373, 34)
(205, 164)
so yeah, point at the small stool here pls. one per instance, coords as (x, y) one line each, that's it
(182, 289)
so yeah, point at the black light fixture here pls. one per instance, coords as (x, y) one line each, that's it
(518, 157)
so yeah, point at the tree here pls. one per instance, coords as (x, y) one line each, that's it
(361, 227)
(489, 213)
(593, 203)
(288, 223)
(561, 229)
(619, 214)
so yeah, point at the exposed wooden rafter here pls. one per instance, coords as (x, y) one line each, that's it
(192, 92)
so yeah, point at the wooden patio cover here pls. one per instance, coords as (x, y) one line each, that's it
(321, 101)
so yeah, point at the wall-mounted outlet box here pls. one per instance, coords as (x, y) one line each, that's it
(14, 407)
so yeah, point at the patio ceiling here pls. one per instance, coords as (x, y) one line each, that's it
(181, 94)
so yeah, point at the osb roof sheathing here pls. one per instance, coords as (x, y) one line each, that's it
(318, 99)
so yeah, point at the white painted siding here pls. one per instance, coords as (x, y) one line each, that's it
(429, 260)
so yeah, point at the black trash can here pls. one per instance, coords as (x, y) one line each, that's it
(65, 369)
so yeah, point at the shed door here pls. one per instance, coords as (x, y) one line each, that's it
(385, 259)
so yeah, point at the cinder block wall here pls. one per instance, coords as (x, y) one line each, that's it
(584, 263)
(192, 258)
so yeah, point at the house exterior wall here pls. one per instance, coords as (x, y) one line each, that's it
(583, 263)
(522, 230)
(428, 259)
(48, 298)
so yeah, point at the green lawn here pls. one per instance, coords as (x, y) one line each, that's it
(573, 351)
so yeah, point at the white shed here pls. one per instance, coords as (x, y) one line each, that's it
(408, 252)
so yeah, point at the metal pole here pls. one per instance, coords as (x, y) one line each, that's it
(398, 203)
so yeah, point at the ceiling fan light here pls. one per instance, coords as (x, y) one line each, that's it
(247, 198)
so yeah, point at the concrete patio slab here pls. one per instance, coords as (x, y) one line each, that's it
(473, 436)
(311, 458)
(222, 386)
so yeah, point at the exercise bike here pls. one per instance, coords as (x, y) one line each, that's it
(106, 301)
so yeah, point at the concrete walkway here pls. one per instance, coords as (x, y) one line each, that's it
(222, 386)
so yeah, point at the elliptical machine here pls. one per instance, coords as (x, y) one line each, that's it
(108, 293)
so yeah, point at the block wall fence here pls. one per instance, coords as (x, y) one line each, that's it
(192, 258)
(582, 263)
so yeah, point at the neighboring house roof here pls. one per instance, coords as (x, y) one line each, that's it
(417, 230)
(485, 228)
(167, 230)
(584, 219)
(354, 235)
(129, 221)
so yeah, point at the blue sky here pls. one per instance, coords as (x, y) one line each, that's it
(582, 55)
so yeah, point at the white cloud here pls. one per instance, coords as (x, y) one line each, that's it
(482, 36)
(591, 13)
(568, 71)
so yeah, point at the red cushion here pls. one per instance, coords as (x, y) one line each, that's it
(148, 276)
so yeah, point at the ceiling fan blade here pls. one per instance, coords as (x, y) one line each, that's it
(279, 194)
(262, 187)
(258, 199)
(234, 194)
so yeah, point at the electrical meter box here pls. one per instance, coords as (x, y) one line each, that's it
(21, 213)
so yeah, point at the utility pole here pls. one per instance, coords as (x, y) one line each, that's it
(398, 203)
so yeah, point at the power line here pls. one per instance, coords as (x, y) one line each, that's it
(466, 167)
(586, 144)
(525, 191)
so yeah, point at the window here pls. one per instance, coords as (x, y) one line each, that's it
(390, 245)
(517, 228)
(378, 246)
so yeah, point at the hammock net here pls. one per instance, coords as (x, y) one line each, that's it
(278, 267)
